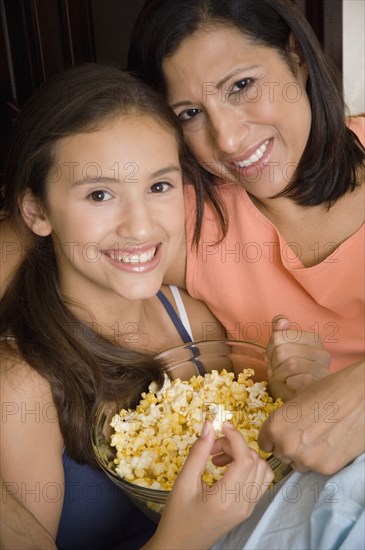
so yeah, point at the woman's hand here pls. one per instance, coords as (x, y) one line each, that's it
(295, 359)
(322, 427)
(196, 515)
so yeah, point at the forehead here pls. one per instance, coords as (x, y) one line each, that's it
(210, 38)
(209, 52)
(122, 132)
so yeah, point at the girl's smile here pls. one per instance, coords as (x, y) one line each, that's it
(134, 258)
(117, 217)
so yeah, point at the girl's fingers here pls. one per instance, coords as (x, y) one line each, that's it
(199, 453)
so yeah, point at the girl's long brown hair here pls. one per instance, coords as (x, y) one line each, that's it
(82, 366)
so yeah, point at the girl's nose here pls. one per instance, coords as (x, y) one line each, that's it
(136, 221)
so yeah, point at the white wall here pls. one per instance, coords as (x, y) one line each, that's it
(354, 54)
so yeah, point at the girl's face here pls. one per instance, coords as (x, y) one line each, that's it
(246, 116)
(115, 207)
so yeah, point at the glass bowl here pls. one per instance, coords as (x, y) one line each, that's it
(180, 362)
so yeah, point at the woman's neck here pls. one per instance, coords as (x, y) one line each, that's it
(315, 227)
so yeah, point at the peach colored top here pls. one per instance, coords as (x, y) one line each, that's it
(253, 274)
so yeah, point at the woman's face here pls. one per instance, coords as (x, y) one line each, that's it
(245, 114)
(115, 208)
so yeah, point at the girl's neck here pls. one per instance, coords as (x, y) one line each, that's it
(141, 325)
(113, 316)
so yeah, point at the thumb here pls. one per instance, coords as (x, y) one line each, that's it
(279, 322)
(199, 453)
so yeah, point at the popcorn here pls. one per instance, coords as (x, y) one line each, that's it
(153, 441)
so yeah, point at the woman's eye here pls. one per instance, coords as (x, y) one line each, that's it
(160, 187)
(241, 84)
(99, 196)
(188, 114)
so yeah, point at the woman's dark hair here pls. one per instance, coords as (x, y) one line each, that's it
(82, 366)
(333, 154)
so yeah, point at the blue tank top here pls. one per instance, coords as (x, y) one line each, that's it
(96, 514)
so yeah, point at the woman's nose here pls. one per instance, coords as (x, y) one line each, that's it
(228, 130)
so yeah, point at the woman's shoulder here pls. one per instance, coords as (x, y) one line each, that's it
(357, 124)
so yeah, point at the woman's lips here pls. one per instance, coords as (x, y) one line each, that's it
(251, 163)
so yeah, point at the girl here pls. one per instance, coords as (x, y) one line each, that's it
(95, 172)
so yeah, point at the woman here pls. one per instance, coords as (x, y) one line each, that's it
(95, 177)
(262, 110)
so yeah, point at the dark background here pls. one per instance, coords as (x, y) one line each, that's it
(39, 38)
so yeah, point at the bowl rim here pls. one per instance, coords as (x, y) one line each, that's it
(132, 488)
(208, 342)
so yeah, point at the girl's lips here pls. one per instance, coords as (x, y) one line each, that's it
(136, 262)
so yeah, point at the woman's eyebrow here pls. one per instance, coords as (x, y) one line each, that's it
(222, 82)
(218, 86)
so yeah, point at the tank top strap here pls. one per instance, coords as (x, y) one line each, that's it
(183, 330)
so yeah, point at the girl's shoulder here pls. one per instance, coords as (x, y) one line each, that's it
(204, 324)
(18, 378)
(31, 441)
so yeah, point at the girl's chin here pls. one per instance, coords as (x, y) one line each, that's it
(138, 292)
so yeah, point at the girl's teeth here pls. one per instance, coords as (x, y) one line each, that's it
(135, 258)
(258, 154)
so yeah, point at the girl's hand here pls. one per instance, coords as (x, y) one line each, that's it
(196, 515)
(295, 358)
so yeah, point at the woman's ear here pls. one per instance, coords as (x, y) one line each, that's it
(294, 51)
(297, 60)
(34, 215)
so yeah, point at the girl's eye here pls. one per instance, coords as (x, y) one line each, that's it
(160, 187)
(241, 84)
(188, 114)
(99, 196)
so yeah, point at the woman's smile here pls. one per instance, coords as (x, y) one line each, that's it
(258, 127)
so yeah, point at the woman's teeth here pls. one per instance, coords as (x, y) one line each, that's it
(133, 258)
(257, 155)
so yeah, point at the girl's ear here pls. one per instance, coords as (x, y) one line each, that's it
(34, 215)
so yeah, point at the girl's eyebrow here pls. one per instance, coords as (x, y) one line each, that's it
(166, 170)
(218, 86)
(98, 179)
(105, 179)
